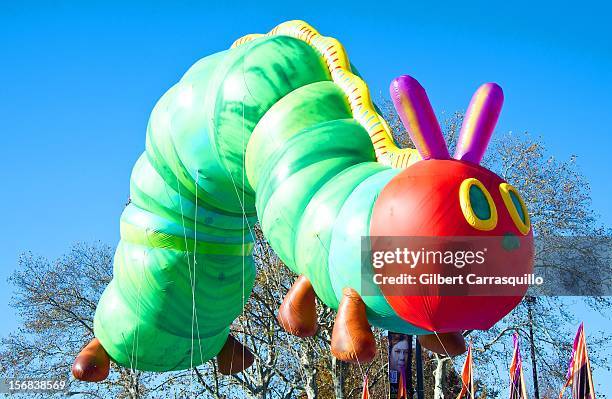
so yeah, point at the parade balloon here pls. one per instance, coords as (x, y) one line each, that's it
(281, 130)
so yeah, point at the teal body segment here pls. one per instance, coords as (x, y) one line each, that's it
(256, 133)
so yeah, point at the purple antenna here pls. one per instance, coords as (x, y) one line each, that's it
(479, 122)
(414, 109)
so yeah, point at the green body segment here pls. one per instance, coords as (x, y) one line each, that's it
(183, 268)
(316, 179)
(315, 176)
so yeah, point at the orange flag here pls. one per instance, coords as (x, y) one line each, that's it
(579, 375)
(467, 377)
(401, 389)
(366, 393)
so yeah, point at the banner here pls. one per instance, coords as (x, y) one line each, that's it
(400, 366)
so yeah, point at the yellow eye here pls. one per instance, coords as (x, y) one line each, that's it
(477, 205)
(516, 207)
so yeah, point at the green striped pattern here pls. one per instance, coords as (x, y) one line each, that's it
(183, 269)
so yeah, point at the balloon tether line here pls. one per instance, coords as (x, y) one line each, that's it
(191, 277)
(245, 218)
(195, 233)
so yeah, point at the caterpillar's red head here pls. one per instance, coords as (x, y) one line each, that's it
(453, 197)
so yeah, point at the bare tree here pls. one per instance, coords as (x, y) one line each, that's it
(55, 302)
(303, 367)
(558, 198)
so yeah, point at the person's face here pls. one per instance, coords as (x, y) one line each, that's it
(399, 354)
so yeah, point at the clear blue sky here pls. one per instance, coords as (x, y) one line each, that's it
(77, 83)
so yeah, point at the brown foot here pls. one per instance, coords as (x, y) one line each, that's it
(352, 339)
(451, 344)
(92, 364)
(234, 357)
(298, 313)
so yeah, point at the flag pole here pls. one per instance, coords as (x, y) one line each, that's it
(534, 364)
(419, 371)
(409, 387)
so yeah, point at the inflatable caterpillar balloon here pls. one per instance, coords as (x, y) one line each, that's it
(280, 129)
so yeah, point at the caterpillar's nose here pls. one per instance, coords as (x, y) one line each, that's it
(510, 242)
